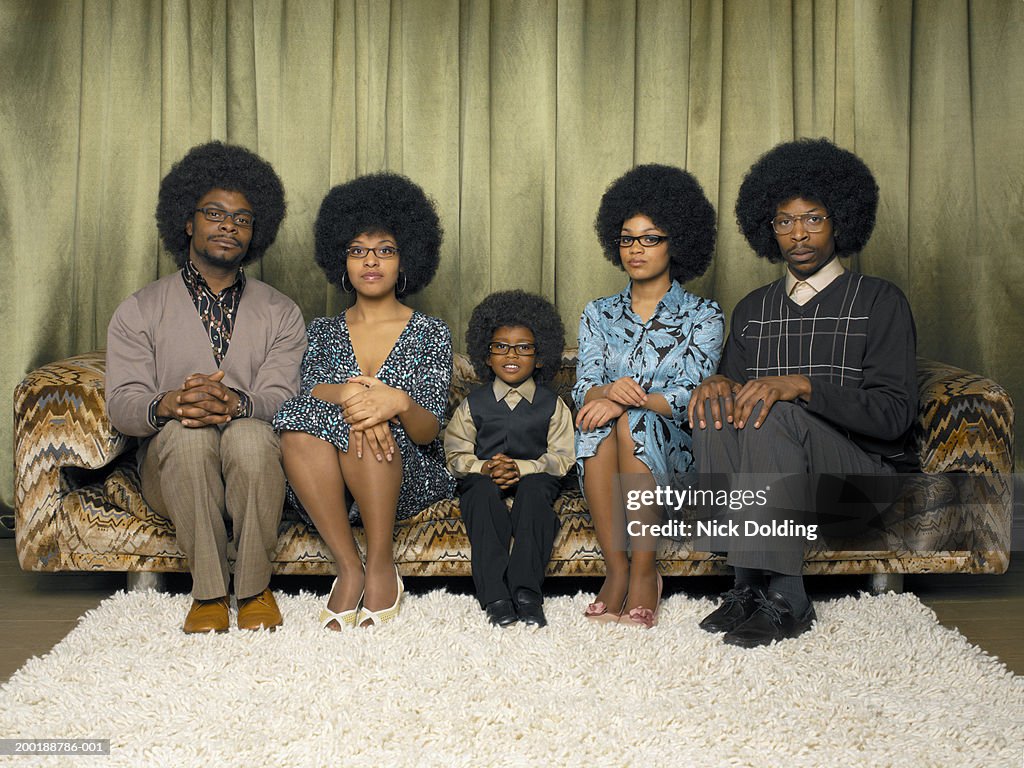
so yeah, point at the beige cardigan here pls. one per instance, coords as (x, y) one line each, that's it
(156, 339)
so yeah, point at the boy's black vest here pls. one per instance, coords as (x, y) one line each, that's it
(519, 434)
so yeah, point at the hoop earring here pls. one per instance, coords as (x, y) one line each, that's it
(405, 282)
(344, 277)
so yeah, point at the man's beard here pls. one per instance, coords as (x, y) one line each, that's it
(220, 262)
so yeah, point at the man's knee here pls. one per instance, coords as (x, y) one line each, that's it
(783, 417)
(250, 445)
(187, 452)
(705, 439)
(174, 437)
(713, 442)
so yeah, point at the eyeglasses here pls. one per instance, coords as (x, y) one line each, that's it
(242, 219)
(647, 241)
(521, 350)
(813, 222)
(383, 252)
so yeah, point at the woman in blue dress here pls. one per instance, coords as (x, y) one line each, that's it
(374, 389)
(641, 354)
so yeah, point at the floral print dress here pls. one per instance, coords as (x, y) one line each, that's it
(420, 364)
(670, 354)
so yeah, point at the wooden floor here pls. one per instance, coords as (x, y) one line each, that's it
(40, 609)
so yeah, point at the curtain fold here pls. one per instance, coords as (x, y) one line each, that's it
(514, 117)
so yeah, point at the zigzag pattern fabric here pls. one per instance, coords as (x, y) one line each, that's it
(78, 504)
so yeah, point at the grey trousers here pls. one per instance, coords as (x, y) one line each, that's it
(785, 454)
(199, 479)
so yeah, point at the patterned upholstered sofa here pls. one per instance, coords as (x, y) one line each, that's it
(78, 505)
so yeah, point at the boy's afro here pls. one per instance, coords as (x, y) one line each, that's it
(675, 202)
(814, 169)
(508, 308)
(380, 202)
(219, 166)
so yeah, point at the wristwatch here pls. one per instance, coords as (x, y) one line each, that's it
(244, 408)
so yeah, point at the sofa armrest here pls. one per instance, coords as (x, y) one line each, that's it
(965, 421)
(60, 423)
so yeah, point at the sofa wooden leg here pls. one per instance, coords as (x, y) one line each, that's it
(138, 580)
(886, 582)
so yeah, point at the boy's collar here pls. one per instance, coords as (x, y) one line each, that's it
(527, 389)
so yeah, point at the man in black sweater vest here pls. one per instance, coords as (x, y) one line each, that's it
(511, 437)
(818, 376)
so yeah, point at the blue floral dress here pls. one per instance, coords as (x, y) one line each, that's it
(678, 347)
(420, 364)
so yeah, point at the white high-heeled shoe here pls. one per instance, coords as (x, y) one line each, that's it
(386, 614)
(343, 618)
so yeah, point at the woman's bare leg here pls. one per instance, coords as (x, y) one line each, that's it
(315, 474)
(609, 522)
(375, 485)
(643, 579)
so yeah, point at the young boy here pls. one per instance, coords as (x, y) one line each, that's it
(512, 436)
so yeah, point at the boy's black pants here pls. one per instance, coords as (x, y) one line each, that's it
(498, 573)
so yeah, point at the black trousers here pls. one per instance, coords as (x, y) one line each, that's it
(530, 529)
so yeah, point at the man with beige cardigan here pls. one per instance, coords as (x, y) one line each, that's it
(197, 364)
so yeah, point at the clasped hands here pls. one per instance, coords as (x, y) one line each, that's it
(202, 401)
(502, 470)
(368, 405)
(732, 402)
(617, 397)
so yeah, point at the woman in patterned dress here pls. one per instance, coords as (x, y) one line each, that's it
(641, 353)
(374, 388)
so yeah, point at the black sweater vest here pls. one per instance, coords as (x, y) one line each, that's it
(519, 434)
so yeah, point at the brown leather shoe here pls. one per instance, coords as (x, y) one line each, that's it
(207, 616)
(259, 612)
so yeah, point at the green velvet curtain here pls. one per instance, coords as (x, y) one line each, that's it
(514, 115)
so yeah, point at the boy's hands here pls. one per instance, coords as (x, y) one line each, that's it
(502, 470)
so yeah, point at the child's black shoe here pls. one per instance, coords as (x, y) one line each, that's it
(530, 607)
(501, 613)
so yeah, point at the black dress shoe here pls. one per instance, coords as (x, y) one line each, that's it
(501, 613)
(737, 606)
(530, 607)
(773, 620)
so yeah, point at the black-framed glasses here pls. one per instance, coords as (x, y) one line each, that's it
(522, 350)
(241, 218)
(813, 222)
(647, 241)
(382, 252)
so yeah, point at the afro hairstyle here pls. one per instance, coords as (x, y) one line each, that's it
(380, 202)
(814, 169)
(675, 202)
(510, 308)
(219, 166)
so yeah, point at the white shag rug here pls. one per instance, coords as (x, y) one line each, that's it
(878, 682)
